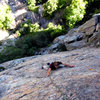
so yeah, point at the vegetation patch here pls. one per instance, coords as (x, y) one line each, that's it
(52, 6)
(75, 12)
(31, 39)
(2, 68)
(6, 17)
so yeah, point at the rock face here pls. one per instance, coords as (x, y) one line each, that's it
(27, 81)
(86, 34)
(6, 39)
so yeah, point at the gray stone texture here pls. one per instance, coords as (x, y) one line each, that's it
(27, 81)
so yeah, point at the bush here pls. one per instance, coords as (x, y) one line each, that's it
(26, 42)
(55, 30)
(0, 43)
(31, 43)
(63, 3)
(53, 5)
(31, 4)
(51, 30)
(43, 38)
(75, 12)
(96, 11)
(92, 7)
(10, 53)
(50, 6)
(28, 28)
(38, 37)
(38, 2)
(6, 17)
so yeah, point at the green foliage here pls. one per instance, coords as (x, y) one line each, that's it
(51, 30)
(33, 39)
(63, 3)
(96, 11)
(10, 53)
(75, 12)
(92, 8)
(27, 44)
(6, 17)
(56, 30)
(32, 5)
(50, 6)
(0, 43)
(28, 28)
(40, 1)
(41, 36)
(2, 68)
(53, 5)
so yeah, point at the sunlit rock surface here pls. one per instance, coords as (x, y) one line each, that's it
(3, 34)
(27, 81)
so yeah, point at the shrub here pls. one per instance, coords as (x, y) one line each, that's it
(43, 38)
(53, 5)
(96, 11)
(55, 30)
(25, 46)
(31, 4)
(75, 12)
(51, 30)
(40, 1)
(10, 53)
(30, 43)
(26, 42)
(63, 3)
(6, 17)
(50, 6)
(0, 43)
(28, 28)
(2, 68)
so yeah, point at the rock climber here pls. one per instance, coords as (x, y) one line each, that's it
(55, 65)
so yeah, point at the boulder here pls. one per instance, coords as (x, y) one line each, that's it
(87, 25)
(75, 45)
(73, 37)
(89, 31)
(59, 39)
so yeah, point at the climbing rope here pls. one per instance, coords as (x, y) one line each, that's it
(64, 96)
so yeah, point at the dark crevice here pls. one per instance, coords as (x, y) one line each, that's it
(21, 96)
(90, 36)
(71, 41)
(19, 68)
(2, 69)
(79, 38)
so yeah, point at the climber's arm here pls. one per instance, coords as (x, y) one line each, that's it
(49, 71)
(68, 65)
